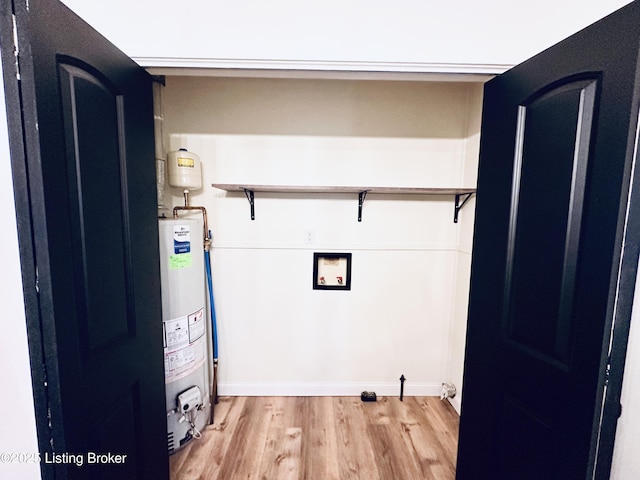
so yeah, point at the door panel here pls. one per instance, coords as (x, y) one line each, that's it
(119, 425)
(550, 164)
(556, 157)
(93, 125)
(81, 129)
(526, 441)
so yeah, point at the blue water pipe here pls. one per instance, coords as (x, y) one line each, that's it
(214, 329)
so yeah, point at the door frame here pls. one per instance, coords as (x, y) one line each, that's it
(39, 362)
(614, 348)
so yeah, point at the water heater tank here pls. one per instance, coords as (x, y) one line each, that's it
(184, 169)
(186, 332)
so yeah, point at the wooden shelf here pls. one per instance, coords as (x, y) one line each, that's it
(237, 187)
(362, 192)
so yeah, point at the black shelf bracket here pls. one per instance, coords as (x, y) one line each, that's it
(458, 205)
(249, 194)
(361, 196)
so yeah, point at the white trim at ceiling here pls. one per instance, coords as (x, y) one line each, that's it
(321, 69)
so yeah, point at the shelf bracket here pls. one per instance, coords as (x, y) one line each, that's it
(361, 196)
(458, 205)
(249, 194)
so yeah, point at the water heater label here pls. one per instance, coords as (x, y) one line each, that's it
(185, 162)
(182, 260)
(176, 333)
(184, 341)
(181, 363)
(196, 325)
(181, 239)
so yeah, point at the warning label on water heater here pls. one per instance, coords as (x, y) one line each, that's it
(196, 325)
(184, 345)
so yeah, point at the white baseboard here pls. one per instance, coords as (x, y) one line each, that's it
(456, 403)
(326, 389)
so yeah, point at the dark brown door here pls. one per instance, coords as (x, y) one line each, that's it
(557, 152)
(81, 131)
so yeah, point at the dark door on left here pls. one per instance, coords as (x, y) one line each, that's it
(81, 133)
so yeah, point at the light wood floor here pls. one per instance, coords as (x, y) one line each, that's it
(323, 438)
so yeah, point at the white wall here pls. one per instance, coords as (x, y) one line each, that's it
(457, 335)
(315, 107)
(374, 35)
(17, 415)
(277, 334)
(626, 461)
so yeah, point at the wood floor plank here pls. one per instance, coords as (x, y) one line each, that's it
(378, 411)
(393, 458)
(356, 458)
(444, 420)
(326, 422)
(328, 438)
(288, 464)
(315, 417)
(435, 460)
(247, 444)
(178, 459)
(202, 458)
(276, 460)
(217, 437)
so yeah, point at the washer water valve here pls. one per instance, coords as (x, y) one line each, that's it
(448, 391)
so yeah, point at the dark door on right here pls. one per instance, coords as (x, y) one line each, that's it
(556, 159)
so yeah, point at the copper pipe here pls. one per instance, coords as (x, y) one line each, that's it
(213, 399)
(187, 207)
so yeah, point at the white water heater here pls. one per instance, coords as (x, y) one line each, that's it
(185, 328)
